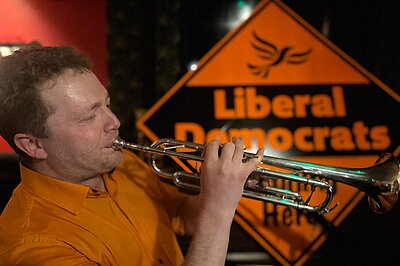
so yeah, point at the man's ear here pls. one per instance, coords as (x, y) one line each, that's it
(31, 145)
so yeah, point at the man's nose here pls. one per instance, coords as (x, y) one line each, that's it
(112, 121)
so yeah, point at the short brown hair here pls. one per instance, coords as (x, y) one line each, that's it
(22, 110)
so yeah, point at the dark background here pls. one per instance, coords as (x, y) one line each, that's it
(151, 44)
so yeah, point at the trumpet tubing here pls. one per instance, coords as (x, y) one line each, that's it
(378, 181)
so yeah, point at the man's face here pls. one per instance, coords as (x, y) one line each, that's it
(81, 130)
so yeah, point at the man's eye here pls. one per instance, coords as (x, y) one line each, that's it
(88, 119)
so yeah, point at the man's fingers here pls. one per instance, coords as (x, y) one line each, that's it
(260, 155)
(239, 149)
(228, 151)
(211, 149)
(231, 152)
(253, 162)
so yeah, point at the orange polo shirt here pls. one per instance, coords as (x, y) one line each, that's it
(52, 222)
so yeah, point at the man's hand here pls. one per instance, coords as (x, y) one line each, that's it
(223, 175)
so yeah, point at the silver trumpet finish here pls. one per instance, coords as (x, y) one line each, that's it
(377, 181)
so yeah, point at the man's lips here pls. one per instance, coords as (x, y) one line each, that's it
(110, 144)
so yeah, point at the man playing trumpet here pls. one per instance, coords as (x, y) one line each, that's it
(81, 202)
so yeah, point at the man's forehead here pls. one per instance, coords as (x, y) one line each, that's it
(63, 76)
(82, 91)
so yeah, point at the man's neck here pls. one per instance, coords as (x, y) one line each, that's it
(95, 182)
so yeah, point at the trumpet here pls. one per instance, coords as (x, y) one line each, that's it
(377, 181)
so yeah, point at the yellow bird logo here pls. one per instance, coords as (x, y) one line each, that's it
(273, 56)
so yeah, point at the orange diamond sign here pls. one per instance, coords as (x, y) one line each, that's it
(280, 84)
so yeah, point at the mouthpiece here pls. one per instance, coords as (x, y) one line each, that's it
(118, 144)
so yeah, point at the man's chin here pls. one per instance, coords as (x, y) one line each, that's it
(112, 159)
(117, 156)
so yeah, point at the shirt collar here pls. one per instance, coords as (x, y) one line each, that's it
(66, 195)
